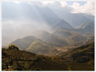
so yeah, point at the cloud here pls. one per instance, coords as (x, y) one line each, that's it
(63, 3)
(47, 2)
(88, 8)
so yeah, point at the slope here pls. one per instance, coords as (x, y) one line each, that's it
(76, 38)
(61, 23)
(81, 58)
(48, 37)
(85, 23)
(70, 36)
(25, 42)
(22, 60)
(83, 54)
(75, 19)
(35, 45)
(62, 32)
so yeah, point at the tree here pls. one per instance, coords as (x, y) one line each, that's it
(12, 47)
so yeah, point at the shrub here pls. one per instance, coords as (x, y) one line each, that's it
(12, 47)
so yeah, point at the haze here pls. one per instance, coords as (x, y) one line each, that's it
(21, 18)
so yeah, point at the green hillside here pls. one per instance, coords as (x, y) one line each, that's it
(62, 33)
(23, 60)
(48, 37)
(35, 45)
(38, 47)
(83, 54)
(77, 59)
(81, 58)
(25, 42)
(76, 38)
(69, 36)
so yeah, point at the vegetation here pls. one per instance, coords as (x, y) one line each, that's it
(23, 60)
(81, 58)
(12, 47)
(48, 37)
(76, 38)
(35, 45)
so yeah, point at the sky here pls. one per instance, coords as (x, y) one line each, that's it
(80, 2)
(19, 11)
(78, 6)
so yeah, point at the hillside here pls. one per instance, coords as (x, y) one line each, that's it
(62, 32)
(88, 41)
(48, 37)
(74, 19)
(70, 36)
(61, 23)
(35, 45)
(83, 54)
(85, 23)
(22, 60)
(25, 42)
(76, 38)
(81, 59)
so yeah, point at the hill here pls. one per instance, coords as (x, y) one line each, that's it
(61, 23)
(22, 60)
(74, 19)
(35, 45)
(48, 37)
(25, 42)
(80, 58)
(70, 36)
(76, 38)
(62, 32)
(81, 54)
(85, 23)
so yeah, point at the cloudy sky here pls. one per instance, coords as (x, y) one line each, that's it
(78, 6)
(23, 11)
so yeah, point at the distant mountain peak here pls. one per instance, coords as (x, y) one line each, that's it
(61, 23)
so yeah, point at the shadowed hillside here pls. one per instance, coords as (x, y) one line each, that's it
(48, 37)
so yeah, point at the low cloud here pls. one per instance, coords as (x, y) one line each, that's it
(88, 8)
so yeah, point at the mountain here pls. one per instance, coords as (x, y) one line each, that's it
(83, 54)
(88, 41)
(69, 36)
(61, 23)
(48, 37)
(38, 47)
(25, 42)
(62, 32)
(35, 45)
(73, 19)
(76, 38)
(89, 29)
(85, 23)
(13, 32)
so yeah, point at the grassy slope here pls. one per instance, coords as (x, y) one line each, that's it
(23, 60)
(81, 58)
